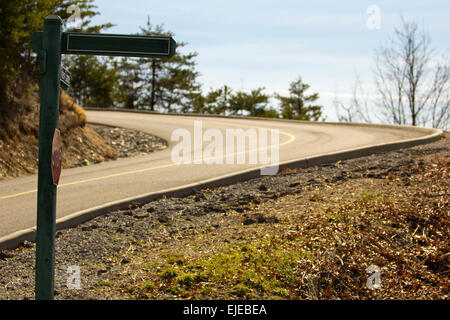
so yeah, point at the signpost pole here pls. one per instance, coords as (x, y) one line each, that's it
(50, 44)
(50, 60)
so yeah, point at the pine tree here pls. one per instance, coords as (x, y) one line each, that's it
(130, 85)
(93, 81)
(93, 78)
(295, 106)
(254, 102)
(87, 11)
(18, 21)
(218, 101)
(169, 83)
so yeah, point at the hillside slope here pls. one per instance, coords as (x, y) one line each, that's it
(19, 136)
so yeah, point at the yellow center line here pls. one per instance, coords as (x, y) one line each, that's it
(18, 194)
(291, 139)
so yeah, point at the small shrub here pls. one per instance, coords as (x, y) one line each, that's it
(207, 290)
(169, 273)
(242, 291)
(186, 280)
(149, 286)
(177, 259)
(176, 290)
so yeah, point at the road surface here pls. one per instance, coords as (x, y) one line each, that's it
(86, 187)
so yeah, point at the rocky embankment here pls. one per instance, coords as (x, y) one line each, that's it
(129, 143)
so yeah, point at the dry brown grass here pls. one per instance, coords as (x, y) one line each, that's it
(74, 115)
(326, 239)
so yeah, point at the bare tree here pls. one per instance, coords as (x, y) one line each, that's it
(357, 109)
(439, 113)
(411, 80)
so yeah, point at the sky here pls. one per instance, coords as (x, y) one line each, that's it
(248, 44)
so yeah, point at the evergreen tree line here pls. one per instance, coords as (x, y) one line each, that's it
(171, 85)
(166, 85)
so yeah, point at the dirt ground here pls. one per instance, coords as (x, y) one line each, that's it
(375, 227)
(316, 244)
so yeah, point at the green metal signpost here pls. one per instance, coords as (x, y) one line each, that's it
(49, 45)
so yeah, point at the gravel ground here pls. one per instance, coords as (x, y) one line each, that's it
(129, 143)
(97, 246)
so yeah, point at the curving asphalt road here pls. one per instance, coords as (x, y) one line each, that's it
(82, 189)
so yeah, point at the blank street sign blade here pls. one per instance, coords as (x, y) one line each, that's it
(118, 45)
